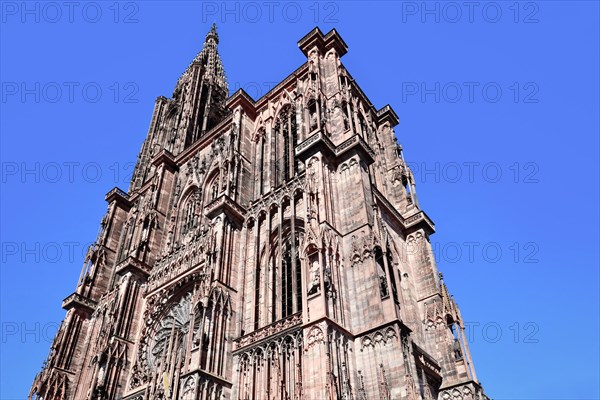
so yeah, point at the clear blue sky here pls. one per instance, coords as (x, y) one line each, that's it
(499, 118)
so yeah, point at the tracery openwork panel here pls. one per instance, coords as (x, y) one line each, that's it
(272, 369)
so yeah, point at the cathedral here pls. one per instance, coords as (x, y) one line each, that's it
(269, 248)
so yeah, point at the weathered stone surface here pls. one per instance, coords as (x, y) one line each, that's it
(266, 249)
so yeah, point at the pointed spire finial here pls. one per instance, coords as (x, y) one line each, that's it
(212, 34)
(209, 58)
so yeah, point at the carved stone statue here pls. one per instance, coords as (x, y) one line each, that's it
(315, 277)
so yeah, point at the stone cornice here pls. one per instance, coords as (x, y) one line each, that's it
(467, 382)
(242, 99)
(165, 157)
(132, 264)
(321, 142)
(427, 361)
(177, 264)
(79, 302)
(225, 204)
(358, 143)
(316, 142)
(207, 375)
(388, 114)
(409, 224)
(332, 40)
(419, 220)
(399, 323)
(120, 196)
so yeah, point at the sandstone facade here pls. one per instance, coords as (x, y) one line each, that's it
(265, 249)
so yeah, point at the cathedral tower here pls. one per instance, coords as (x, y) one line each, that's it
(266, 249)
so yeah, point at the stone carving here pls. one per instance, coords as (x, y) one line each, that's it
(292, 187)
(458, 393)
(188, 389)
(156, 306)
(252, 197)
(183, 259)
(379, 337)
(457, 350)
(417, 247)
(362, 393)
(176, 322)
(314, 337)
(384, 387)
(269, 331)
(279, 355)
(441, 310)
(362, 246)
(315, 277)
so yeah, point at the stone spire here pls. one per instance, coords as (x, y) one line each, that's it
(201, 92)
(197, 105)
(210, 60)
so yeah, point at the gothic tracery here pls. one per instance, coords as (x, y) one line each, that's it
(266, 249)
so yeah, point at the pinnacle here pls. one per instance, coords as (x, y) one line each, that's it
(210, 59)
(212, 34)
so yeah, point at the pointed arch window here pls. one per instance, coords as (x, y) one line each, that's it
(286, 135)
(261, 165)
(189, 218)
(213, 188)
(257, 290)
(291, 278)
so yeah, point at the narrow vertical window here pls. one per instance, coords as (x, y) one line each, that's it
(277, 131)
(290, 279)
(257, 297)
(298, 277)
(285, 126)
(262, 164)
(286, 281)
(286, 150)
(294, 133)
